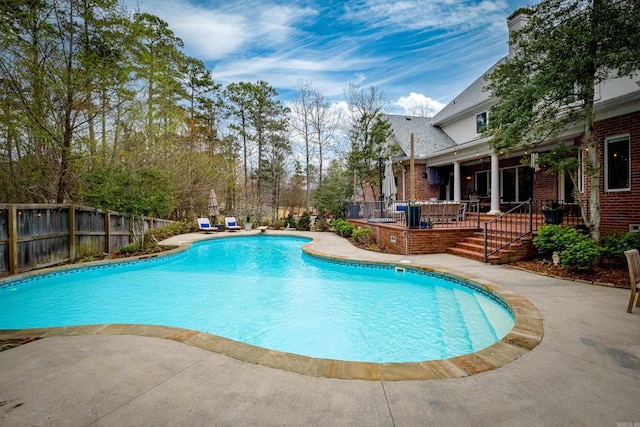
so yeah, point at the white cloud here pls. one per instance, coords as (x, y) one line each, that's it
(425, 14)
(214, 32)
(416, 104)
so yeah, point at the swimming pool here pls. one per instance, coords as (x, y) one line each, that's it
(264, 291)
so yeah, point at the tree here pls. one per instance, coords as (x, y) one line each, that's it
(158, 65)
(324, 122)
(368, 132)
(334, 190)
(301, 124)
(239, 99)
(293, 195)
(49, 64)
(564, 51)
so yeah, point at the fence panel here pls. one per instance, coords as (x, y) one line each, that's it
(90, 232)
(46, 235)
(43, 236)
(119, 234)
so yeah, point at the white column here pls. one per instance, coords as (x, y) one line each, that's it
(495, 184)
(457, 187)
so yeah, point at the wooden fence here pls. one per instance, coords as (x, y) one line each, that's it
(34, 236)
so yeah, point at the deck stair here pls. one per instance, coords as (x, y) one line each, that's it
(473, 248)
(507, 237)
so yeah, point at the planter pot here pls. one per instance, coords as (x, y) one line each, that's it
(248, 226)
(412, 215)
(553, 216)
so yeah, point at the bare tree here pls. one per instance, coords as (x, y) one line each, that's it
(302, 127)
(324, 122)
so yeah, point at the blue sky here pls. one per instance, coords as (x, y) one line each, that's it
(419, 52)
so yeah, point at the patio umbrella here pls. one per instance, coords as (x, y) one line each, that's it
(389, 182)
(213, 204)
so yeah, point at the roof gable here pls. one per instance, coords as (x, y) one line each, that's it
(428, 139)
(474, 95)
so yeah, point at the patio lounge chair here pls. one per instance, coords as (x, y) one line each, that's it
(633, 259)
(231, 224)
(205, 225)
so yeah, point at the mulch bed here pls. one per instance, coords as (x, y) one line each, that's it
(607, 274)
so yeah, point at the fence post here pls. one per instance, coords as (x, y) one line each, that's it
(13, 239)
(107, 231)
(72, 232)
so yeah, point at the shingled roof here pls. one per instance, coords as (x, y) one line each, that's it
(428, 139)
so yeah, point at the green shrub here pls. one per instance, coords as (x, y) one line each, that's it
(304, 223)
(278, 225)
(363, 235)
(614, 244)
(554, 238)
(580, 255)
(577, 251)
(130, 249)
(168, 230)
(343, 228)
(290, 221)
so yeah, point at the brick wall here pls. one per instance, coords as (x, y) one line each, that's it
(415, 242)
(545, 186)
(620, 208)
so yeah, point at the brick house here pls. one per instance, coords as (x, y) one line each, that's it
(452, 160)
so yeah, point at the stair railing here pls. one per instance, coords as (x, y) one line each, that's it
(507, 228)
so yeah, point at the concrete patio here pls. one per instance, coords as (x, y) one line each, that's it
(586, 371)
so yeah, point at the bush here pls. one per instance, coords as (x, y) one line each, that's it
(363, 235)
(278, 225)
(130, 249)
(290, 221)
(554, 238)
(580, 255)
(174, 229)
(577, 251)
(304, 223)
(322, 225)
(343, 228)
(614, 245)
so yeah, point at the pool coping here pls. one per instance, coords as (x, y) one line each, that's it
(525, 335)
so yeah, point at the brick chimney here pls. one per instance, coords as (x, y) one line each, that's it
(516, 21)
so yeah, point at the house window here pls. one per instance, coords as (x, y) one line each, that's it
(481, 122)
(516, 184)
(617, 171)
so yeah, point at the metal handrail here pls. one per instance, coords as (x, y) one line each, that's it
(394, 212)
(507, 228)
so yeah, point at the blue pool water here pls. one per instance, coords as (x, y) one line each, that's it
(263, 290)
